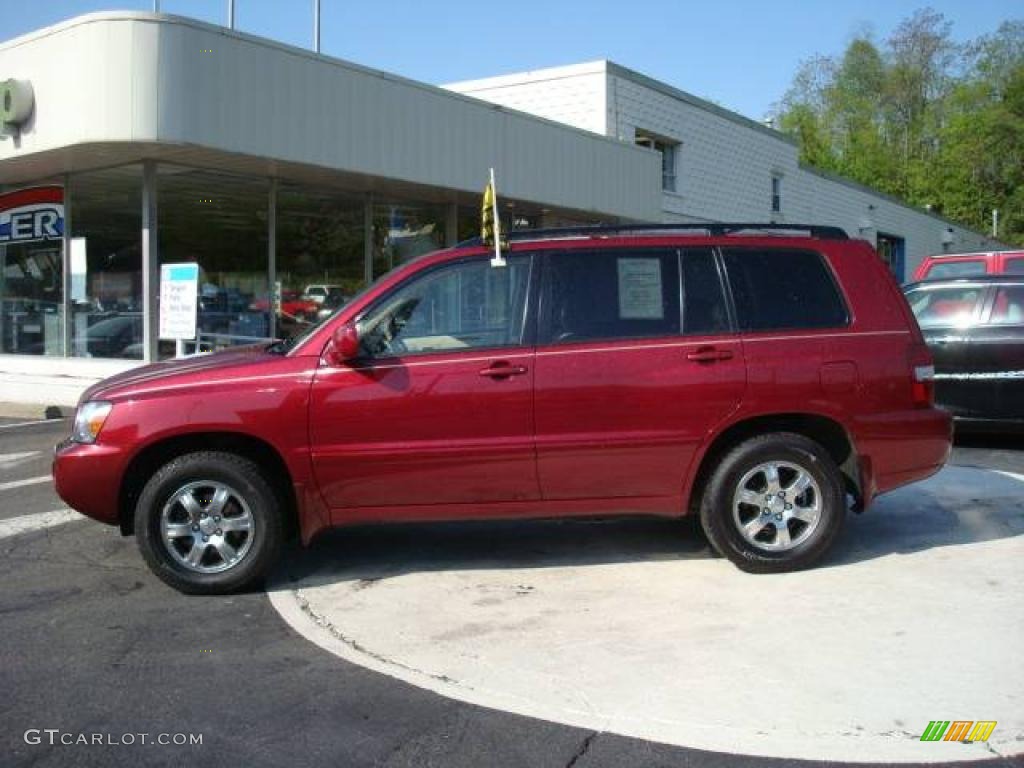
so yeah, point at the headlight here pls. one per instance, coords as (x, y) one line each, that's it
(89, 421)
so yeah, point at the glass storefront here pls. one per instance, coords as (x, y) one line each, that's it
(106, 263)
(219, 222)
(403, 231)
(31, 271)
(320, 247)
(273, 258)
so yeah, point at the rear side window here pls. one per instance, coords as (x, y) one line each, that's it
(1008, 307)
(610, 295)
(703, 301)
(947, 269)
(778, 289)
(1014, 265)
(945, 307)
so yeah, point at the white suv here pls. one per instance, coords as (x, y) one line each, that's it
(317, 293)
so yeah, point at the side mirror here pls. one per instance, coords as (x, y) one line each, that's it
(344, 344)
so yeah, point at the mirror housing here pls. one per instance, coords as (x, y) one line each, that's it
(344, 346)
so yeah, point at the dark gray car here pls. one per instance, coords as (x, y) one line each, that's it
(975, 330)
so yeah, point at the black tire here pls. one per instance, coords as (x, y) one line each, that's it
(249, 499)
(722, 520)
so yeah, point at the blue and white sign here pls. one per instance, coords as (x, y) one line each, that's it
(29, 215)
(179, 300)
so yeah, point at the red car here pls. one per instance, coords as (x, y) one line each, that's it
(757, 377)
(293, 305)
(946, 266)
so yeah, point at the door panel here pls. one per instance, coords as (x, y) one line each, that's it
(619, 416)
(439, 410)
(946, 315)
(424, 432)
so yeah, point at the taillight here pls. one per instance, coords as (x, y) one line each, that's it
(922, 382)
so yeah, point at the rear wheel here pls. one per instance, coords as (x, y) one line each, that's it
(208, 523)
(775, 503)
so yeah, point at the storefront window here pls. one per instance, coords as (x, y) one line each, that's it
(320, 246)
(402, 231)
(106, 263)
(31, 231)
(219, 222)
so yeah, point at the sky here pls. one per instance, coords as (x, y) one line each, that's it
(741, 54)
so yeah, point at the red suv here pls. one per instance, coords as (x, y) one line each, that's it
(754, 375)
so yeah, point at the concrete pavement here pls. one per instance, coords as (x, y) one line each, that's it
(94, 644)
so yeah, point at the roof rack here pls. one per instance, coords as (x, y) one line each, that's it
(709, 229)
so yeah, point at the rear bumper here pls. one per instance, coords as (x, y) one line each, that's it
(88, 479)
(903, 447)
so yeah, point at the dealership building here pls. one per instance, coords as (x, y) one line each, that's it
(132, 140)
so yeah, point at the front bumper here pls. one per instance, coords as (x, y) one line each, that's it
(88, 478)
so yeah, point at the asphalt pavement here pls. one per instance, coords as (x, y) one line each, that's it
(95, 649)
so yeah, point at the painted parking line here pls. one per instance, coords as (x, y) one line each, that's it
(8, 460)
(31, 423)
(22, 483)
(18, 525)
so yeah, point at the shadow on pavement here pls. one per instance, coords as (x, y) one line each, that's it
(960, 506)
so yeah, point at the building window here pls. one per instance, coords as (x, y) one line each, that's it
(31, 268)
(106, 263)
(668, 150)
(776, 193)
(220, 222)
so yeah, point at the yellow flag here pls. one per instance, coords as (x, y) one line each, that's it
(487, 216)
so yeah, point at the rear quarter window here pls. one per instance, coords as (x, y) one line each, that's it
(953, 307)
(1014, 265)
(947, 269)
(781, 289)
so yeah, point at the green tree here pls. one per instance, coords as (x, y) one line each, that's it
(938, 124)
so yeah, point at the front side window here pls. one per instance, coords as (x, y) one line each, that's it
(945, 307)
(779, 289)
(623, 294)
(466, 305)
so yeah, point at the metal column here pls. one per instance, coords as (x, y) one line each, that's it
(150, 264)
(451, 227)
(272, 258)
(65, 280)
(368, 240)
(316, 25)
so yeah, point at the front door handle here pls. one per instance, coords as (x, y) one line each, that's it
(709, 355)
(502, 370)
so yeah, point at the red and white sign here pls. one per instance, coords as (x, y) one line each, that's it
(27, 215)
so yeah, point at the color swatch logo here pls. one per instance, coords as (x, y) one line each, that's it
(958, 730)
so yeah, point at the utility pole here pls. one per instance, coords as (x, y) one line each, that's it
(231, 14)
(995, 223)
(316, 25)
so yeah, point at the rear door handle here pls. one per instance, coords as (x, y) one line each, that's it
(502, 370)
(709, 355)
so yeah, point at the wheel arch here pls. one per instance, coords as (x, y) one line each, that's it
(156, 454)
(824, 430)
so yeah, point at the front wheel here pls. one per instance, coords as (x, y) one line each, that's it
(775, 503)
(208, 523)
